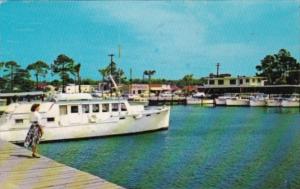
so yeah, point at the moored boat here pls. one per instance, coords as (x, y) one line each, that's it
(293, 101)
(274, 101)
(81, 116)
(221, 100)
(257, 100)
(200, 101)
(237, 101)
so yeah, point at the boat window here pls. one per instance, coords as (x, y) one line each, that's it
(19, 121)
(63, 110)
(50, 119)
(74, 109)
(105, 107)
(115, 107)
(123, 107)
(85, 108)
(95, 108)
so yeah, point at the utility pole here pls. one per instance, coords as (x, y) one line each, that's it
(111, 62)
(218, 66)
(130, 81)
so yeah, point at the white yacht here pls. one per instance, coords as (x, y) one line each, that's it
(238, 101)
(258, 100)
(274, 101)
(200, 101)
(293, 101)
(221, 100)
(81, 116)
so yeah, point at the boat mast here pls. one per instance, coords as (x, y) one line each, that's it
(111, 62)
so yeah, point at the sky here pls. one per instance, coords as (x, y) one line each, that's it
(174, 38)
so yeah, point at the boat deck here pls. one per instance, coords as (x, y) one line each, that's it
(18, 170)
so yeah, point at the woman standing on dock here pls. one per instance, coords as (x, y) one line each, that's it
(35, 132)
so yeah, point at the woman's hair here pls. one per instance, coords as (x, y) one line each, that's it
(34, 107)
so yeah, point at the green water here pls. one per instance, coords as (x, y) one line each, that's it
(221, 147)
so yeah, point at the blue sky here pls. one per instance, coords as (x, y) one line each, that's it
(173, 38)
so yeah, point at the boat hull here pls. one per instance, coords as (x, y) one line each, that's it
(257, 103)
(192, 101)
(273, 103)
(115, 126)
(220, 102)
(238, 102)
(291, 104)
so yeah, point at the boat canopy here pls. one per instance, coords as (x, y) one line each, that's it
(69, 97)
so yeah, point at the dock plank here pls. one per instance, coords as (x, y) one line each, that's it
(19, 170)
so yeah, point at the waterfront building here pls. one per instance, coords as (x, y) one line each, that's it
(138, 89)
(71, 89)
(228, 81)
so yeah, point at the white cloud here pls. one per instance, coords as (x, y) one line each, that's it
(172, 34)
(3, 1)
(156, 24)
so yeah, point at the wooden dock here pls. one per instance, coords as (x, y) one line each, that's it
(18, 170)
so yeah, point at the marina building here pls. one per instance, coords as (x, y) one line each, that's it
(71, 89)
(228, 81)
(138, 89)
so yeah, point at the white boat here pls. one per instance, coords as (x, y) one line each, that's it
(221, 100)
(258, 100)
(75, 116)
(293, 101)
(200, 101)
(274, 101)
(237, 101)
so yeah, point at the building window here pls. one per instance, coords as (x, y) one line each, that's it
(19, 121)
(139, 91)
(220, 82)
(247, 80)
(85, 108)
(253, 80)
(232, 82)
(258, 80)
(241, 81)
(105, 107)
(50, 119)
(95, 108)
(211, 82)
(74, 109)
(115, 107)
(123, 107)
(63, 110)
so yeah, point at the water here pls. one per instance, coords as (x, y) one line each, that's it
(222, 147)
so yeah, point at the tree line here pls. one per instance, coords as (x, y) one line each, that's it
(279, 68)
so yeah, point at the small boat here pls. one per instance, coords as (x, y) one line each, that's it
(238, 101)
(221, 100)
(200, 101)
(274, 101)
(258, 100)
(293, 101)
(75, 116)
